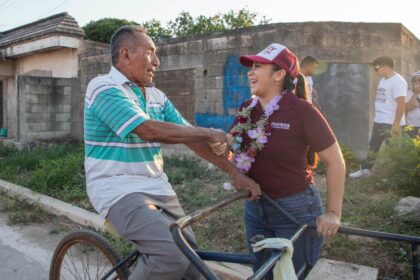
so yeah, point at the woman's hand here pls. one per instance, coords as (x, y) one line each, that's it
(328, 224)
(221, 148)
(241, 181)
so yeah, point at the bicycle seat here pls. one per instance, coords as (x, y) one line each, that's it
(110, 229)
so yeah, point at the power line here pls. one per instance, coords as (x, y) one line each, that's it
(39, 17)
(64, 2)
(9, 6)
(4, 3)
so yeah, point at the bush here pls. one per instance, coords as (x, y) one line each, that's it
(398, 165)
(352, 162)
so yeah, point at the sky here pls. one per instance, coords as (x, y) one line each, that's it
(18, 12)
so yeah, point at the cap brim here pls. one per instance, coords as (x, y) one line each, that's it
(248, 60)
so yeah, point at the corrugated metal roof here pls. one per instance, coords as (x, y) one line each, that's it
(59, 24)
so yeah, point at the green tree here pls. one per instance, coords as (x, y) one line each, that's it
(242, 18)
(155, 30)
(101, 30)
(183, 25)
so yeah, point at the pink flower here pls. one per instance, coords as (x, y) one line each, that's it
(262, 139)
(255, 133)
(272, 105)
(243, 161)
(228, 186)
(258, 134)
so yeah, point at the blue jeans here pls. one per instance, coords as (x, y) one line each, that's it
(262, 218)
(380, 133)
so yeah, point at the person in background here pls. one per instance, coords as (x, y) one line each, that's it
(389, 110)
(308, 66)
(413, 105)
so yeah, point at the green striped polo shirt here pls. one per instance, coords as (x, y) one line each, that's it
(117, 161)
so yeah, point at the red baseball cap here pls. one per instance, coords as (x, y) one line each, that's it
(274, 54)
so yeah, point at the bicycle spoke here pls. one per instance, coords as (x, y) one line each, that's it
(84, 256)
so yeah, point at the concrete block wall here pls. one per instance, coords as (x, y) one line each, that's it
(203, 78)
(178, 85)
(346, 49)
(45, 108)
(94, 60)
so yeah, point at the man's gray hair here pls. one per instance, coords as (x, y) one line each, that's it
(121, 35)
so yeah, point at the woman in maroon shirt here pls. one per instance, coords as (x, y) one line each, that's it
(272, 139)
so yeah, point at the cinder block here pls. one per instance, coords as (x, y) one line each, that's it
(32, 98)
(66, 108)
(67, 91)
(62, 117)
(246, 40)
(63, 126)
(194, 46)
(202, 107)
(218, 107)
(46, 135)
(221, 56)
(37, 127)
(35, 108)
(217, 43)
(215, 70)
(218, 82)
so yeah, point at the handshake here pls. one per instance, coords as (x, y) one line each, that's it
(219, 142)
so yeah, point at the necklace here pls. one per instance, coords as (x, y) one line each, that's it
(244, 155)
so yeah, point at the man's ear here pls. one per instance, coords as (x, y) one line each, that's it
(124, 56)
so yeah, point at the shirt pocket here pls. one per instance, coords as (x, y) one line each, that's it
(156, 113)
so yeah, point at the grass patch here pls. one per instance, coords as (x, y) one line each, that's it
(21, 212)
(369, 207)
(368, 203)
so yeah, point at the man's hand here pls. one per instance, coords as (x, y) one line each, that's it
(328, 224)
(217, 136)
(396, 130)
(240, 181)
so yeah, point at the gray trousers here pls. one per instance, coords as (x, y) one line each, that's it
(144, 220)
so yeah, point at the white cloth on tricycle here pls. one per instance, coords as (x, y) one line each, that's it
(283, 270)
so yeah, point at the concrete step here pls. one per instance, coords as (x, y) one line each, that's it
(230, 271)
(326, 269)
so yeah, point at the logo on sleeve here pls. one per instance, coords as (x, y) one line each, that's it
(280, 125)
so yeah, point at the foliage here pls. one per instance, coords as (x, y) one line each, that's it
(53, 169)
(366, 205)
(63, 178)
(21, 212)
(101, 30)
(155, 29)
(397, 166)
(352, 162)
(183, 25)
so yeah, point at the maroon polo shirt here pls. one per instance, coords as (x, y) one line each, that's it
(281, 167)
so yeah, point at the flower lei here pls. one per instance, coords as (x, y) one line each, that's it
(244, 155)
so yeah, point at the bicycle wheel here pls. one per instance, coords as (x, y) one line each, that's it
(85, 255)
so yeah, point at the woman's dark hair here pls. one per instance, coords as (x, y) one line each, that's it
(301, 91)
